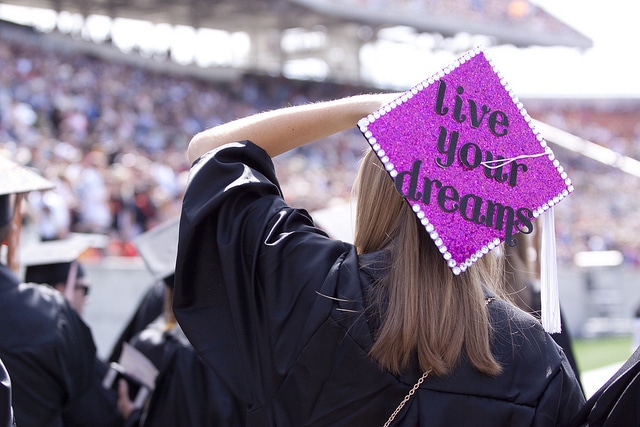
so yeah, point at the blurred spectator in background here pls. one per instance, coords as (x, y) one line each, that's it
(93, 210)
(51, 214)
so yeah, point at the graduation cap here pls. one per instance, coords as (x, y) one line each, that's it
(158, 247)
(16, 179)
(466, 156)
(64, 250)
(57, 261)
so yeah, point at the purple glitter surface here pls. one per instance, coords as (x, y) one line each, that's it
(437, 139)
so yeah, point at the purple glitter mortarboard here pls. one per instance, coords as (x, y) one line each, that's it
(464, 153)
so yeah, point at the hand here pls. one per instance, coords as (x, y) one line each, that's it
(125, 405)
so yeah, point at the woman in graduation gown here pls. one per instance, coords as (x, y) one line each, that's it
(310, 331)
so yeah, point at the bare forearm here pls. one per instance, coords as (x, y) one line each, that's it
(281, 130)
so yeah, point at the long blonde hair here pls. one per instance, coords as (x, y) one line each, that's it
(430, 311)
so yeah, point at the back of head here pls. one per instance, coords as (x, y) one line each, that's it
(430, 310)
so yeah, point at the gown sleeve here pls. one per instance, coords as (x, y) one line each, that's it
(248, 270)
(6, 408)
(188, 392)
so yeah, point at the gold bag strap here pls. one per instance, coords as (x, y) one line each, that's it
(487, 301)
(406, 398)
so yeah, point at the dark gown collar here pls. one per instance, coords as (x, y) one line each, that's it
(7, 277)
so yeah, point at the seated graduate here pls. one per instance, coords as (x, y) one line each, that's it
(57, 263)
(185, 392)
(46, 348)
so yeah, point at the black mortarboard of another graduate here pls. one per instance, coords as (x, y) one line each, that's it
(50, 262)
(51, 274)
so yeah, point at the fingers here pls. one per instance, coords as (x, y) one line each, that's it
(125, 405)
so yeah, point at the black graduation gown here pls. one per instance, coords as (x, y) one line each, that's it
(563, 338)
(617, 402)
(51, 357)
(278, 310)
(6, 410)
(187, 393)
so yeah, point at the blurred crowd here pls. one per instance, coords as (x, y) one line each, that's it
(113, 139)
(601, 213)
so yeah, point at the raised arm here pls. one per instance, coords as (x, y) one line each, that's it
(281, 130)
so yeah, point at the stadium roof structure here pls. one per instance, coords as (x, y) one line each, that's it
(517, 22)
(342, 26)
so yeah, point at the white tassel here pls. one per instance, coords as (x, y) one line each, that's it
(549, 298)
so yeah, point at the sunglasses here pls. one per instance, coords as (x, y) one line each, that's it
(82, 288)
